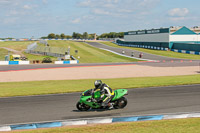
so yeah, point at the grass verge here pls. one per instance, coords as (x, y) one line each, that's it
(158, 52)
(17, 45)
(3, 53)
(87, 53)
(11, 89)
(191, 125)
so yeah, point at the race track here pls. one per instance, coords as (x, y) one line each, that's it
(136, 53)
(162, 60)
(141, 101)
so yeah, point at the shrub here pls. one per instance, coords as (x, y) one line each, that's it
(47, 60)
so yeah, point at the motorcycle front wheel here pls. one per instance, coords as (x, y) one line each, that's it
(82, 106)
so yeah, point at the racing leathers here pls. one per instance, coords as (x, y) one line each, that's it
(106, 91)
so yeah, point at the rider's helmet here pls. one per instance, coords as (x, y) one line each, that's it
(97, 83)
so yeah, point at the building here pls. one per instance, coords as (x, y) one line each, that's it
(180, 38)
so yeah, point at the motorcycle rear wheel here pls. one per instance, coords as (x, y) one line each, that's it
(82, 106)
(121, 103)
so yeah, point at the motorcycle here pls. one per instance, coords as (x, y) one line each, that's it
(89, 100)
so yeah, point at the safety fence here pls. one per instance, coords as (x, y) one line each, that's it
(177, 47)
(46, 39)
(186, 52)
(186, 46)
(143, 46)
(46, 50)
(44, 42)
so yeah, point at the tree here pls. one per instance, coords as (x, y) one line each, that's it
(51, 35)
(57, 36)
(62, 35)
(74, 35)
(112, 35)
(121, 34)
(68, 36)
(44, 37)
(85, 35)
(77, 35)
(91, 36)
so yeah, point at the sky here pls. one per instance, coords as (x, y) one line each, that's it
(37, 18)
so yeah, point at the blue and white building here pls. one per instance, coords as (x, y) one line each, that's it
(164, 38)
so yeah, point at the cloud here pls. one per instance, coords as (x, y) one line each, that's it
(10, 2)
(76, 21)
(27, 7)
(117, 7)
(10, 20)
(45, 1)
(178, 12)
(100, 11)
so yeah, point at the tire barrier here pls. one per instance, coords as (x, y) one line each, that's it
(185, 51)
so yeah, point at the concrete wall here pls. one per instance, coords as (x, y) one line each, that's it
(184, 38)
(160, 37)
(14, 62)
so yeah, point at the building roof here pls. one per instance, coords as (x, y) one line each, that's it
(184, 31)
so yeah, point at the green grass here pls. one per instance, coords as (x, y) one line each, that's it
(89, 54)
(159, 52)
(3, 53)
(10, 89)
(190, 125)
(18, 45)
(38, 57)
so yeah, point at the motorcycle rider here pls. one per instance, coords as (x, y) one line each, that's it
(105, 90)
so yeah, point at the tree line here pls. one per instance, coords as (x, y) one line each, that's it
(85, 35)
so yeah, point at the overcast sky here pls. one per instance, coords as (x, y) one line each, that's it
(27, 18)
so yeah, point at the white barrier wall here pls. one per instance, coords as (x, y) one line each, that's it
(67, 62)
(24, 62)
(4, 62)
(14, 62)
(184, 38)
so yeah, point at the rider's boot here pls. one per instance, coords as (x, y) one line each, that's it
(110, 105)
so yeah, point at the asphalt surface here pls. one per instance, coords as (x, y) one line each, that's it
(52, 66)
(163, 61)
(136, 53)
(141, 101)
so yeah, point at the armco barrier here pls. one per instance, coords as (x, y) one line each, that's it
(184, 51)
(14, 62)
(143, 46)
(67, 62)
(97, 121)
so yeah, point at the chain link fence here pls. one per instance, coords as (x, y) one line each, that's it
(34, 48)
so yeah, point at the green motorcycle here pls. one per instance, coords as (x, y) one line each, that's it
(89, 100)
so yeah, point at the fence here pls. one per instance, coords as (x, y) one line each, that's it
(162, 45)
(46, 50)
(156, 46)
(44, 42)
